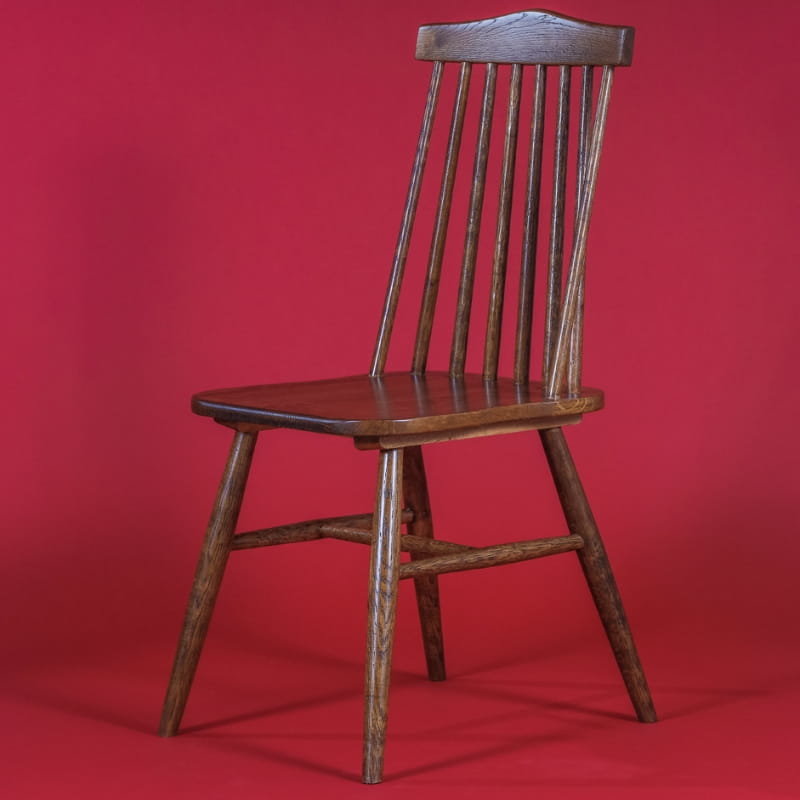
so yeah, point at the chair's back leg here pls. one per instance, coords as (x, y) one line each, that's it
(210, 569)
(415, 494)
(383, 581)
(597, 570)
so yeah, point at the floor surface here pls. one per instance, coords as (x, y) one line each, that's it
(287, 724)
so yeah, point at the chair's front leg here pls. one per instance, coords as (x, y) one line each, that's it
(597, 570)
(415, 493)
(384, 564)
(210, 569)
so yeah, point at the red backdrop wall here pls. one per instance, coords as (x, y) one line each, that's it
(207, 194)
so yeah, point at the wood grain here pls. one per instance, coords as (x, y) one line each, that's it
(575, 365)
(208, 577)
(530, 237)
(555, 253)
(426, 587)
(497, 292)
(433, 277)
(394, 404)
(527, 37)
(491, 556)
(389, 442)
(458, 351)
(333, 527)
(597, 571)
(406, 226)
(567, 320)
(382, 609)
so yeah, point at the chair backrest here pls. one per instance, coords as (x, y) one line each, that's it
(528, 46)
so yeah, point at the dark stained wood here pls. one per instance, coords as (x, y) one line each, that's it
(382, 608)
(527, 37)
(597, 570)
(555, 263)
(362, 406)
(208, 577)
(397, 413)
(311, 530)
(575, 280)
(491, 556)
(530, 237)
(389, 442)
(425, 545)
(416, 545)
(404, 237)
(440, 226)
(458, 353)
(497, 293)
(584, 142)
(289, 534)
(415, 495)
(584, 129)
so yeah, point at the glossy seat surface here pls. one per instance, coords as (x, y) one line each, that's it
(393, 404)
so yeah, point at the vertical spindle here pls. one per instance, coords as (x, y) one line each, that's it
(556, 251)
(431, 291)
(496, 295)
(522, 348)
(575, 365)
(404, 237)
(458, 353)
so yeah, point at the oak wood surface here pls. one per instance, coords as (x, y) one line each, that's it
(597, 571)
(390, 441)
(561, 361)
(573, 291)
(501, 239)
(527, 37)
(382, 610)
(406, 226)
(426, 587)
(491, 556)
(394, 404)
(584, 145)
(555, 254)
(458, 351)
(311, 530)
(439, 239)
(208, 578)
(530, 235)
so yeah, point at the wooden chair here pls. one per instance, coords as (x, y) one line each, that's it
(396, 413)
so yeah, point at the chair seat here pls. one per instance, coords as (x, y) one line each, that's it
(395, 404)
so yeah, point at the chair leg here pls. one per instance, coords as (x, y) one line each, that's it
(415, 493)
(597, 570)
(384, 563)
(208, 577)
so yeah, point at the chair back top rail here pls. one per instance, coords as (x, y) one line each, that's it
(527, 37)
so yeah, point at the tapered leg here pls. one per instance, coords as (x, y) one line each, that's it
(415, 493)
(597, 570)
(383, 582)
(208, 578)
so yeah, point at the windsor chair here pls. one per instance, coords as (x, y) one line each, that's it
(396, 413)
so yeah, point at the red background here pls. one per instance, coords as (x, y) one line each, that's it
(207, 194)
